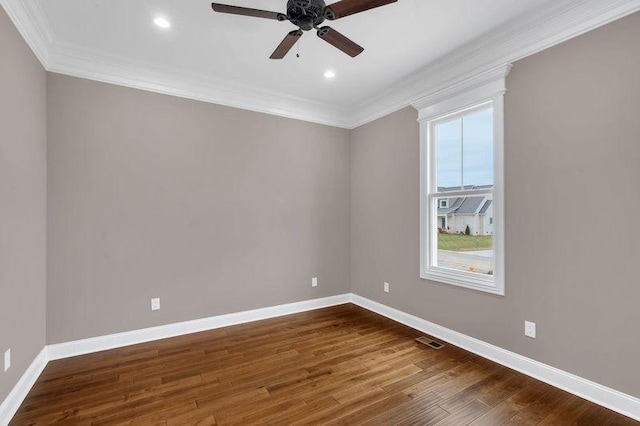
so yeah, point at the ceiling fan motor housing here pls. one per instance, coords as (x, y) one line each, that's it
(306, 14)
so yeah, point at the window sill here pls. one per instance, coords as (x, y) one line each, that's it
(487, 285)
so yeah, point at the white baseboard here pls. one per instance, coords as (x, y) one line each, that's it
(594, 392)
(19, 392)
(111, 341)
(11, 404)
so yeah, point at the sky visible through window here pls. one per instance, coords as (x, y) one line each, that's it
(465, 145)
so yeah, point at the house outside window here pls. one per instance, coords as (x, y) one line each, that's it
(461, 154)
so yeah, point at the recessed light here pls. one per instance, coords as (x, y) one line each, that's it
(162, 22)
(329, 74)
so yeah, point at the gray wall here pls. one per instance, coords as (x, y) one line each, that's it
(216, 210)
(212, 209)
(572, 202)
(23, 196)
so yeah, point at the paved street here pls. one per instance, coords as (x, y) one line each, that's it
(481, 261)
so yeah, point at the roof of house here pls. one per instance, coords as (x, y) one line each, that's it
(470, 205)
(466, 205)
(484, 208)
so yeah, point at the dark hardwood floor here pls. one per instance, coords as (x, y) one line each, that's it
(340, 365)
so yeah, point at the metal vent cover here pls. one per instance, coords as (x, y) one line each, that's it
(429, 342)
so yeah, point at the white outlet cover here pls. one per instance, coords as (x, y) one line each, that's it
(155, 304)
(530, 329)
(7, 359)
(314, 282)
(386, 287)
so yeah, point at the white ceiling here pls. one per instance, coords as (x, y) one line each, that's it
(414, 49)
(398, 39)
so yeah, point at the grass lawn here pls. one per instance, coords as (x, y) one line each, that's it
(458, 242)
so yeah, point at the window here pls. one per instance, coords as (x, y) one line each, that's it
(461, 187)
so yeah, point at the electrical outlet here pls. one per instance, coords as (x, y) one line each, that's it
(530, 329)
(314, 282)
(7, 359)
(386, 287)
(155, 304)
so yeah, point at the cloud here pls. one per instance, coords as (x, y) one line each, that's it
(466, 145)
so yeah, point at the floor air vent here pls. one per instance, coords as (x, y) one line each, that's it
(429, 342)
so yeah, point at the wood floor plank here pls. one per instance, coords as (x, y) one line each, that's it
(341, 365)
(596, 415)
(540, 409)
(427, 417)
(510, 407)
(407, 410)
(478, 390)
(363, 416)
(566, 414)
(465, 415)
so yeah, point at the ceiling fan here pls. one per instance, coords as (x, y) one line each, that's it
(307, 15)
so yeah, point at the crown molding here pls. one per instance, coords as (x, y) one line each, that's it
(484, 85)
(31, 23)
(520, 38)
(507, 44)
(74, 61)
(70, 60)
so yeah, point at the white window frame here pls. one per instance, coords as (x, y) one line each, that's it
(444, 204)
(454, 101)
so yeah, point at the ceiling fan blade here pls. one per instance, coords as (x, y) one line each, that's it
(286, 44)
(237, 10)
(336, 39)
(349, 7)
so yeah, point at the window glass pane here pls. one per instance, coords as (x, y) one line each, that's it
(465, 234)
(449, 145)
(477, 138)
